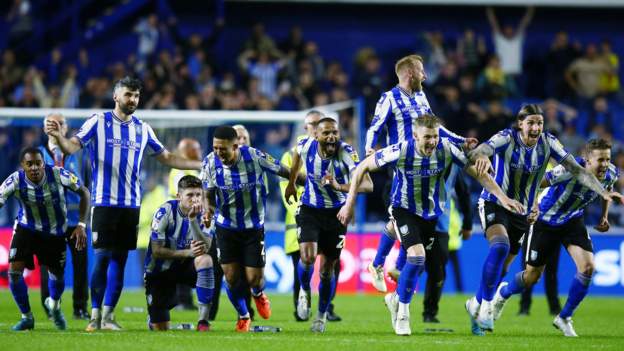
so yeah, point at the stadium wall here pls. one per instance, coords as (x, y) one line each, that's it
(360, 250)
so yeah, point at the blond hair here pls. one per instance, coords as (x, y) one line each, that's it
(407, 62)
(428, 121)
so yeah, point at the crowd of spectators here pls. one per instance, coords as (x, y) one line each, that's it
(472, 86)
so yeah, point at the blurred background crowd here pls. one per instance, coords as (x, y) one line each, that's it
(481, 65)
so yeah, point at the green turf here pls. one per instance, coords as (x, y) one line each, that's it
(366, 326)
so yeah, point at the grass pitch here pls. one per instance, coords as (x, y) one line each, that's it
(365, 326)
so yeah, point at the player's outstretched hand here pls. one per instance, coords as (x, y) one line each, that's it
(329, 180)
(614, 195)
(483, 166)
(345, 214)
(512, 205)
(532, 217)
(603, 225)
(471, 143)
(289, 192)
(369, 151)
(80, 236)
(207, 218)
(198, 248)
(52, 128)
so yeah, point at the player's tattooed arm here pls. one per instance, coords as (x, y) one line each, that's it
(585, 177)
(480, 157)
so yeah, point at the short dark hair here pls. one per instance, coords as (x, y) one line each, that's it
(131, 83)
(225, 133)
(326, 119)
(30, 150)
(597, 144)
(189, 181)
(428, 121)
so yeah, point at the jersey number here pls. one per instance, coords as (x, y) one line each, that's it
(341, 242)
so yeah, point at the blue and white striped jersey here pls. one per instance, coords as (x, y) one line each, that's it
(70, 163)
(418, 184)
(518, 168)
(566, 197)
(240, 189)
(116, 149)
(43, 207)
(172, 229)
(398, 110)
(316, 194)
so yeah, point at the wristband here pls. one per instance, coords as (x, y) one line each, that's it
(82, 224)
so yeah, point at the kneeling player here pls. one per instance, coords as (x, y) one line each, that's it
(560, 222)
(328, 163)
(40, 229)
(178, 254)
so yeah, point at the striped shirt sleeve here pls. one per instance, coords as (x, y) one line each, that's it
(500, 140)
(557, 175)
(152, 141)
(266, 161)
(558, 152)
(350, 157)
(382, 112)
(7, 188)
(69, 180)
(457, 156)
(389, 155)
(159, 224)
(88, 130)
(206, 174)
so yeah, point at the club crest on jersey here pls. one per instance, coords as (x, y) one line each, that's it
(404, 230)
(12, 253)
(533, 255)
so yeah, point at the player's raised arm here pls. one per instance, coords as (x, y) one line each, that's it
(490, 185)
(174, 161)
(68, 145)
(589, 180)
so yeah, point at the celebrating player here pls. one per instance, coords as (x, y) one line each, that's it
(178, 254)
(328, 163)
(521, 155)
(41, 230)
(560, 222)
(117, 141)
(233, 178)
(398, 110)
(418, 198)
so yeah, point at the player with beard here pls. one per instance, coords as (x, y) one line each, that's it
(117, 141)
(521, 155)
(418, 199)
(328, 163)
(560, 222)
(397, 111)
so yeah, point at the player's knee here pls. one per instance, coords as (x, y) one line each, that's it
(203, 261)
(15, 275)
(307, 259)
(500, 243)
(531, 277)
(254, 280)
(588, 268)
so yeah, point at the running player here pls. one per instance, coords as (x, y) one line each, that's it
(418, 198)
(328, 163)
(234, 184)
(560, 222)
(521, 155)
(117, 141)
(397, 111)
(41, 229)
(178, 254)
